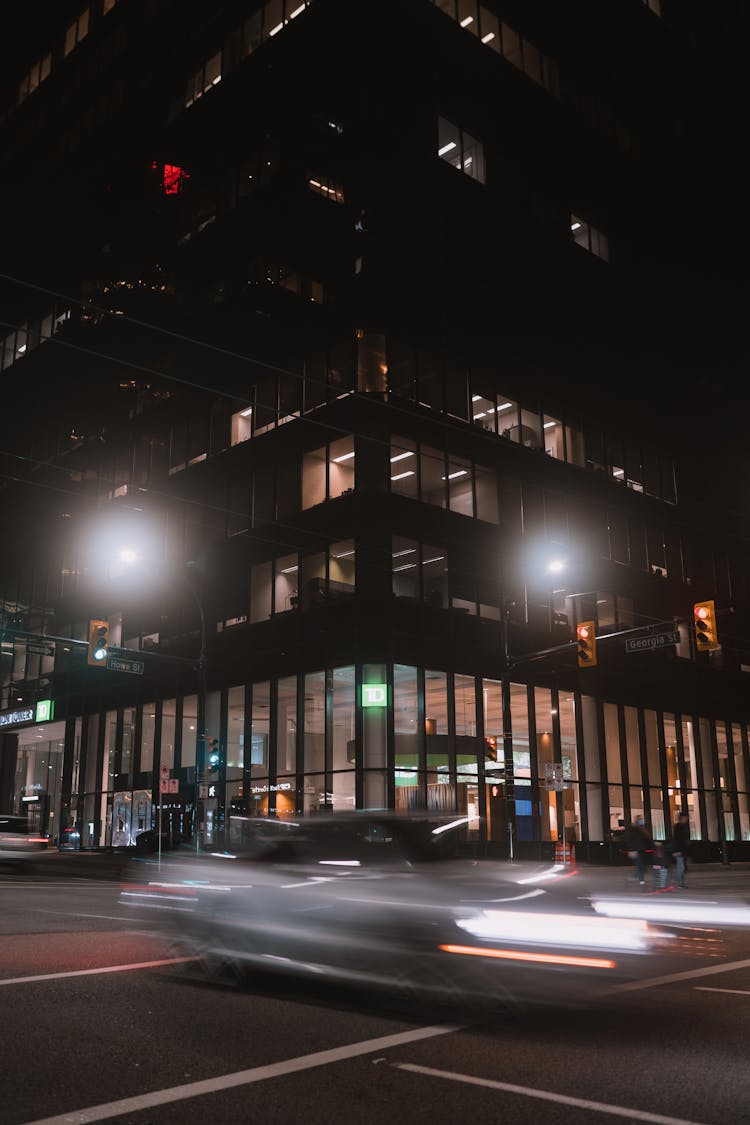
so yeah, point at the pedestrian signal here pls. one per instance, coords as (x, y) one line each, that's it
(586, 636)
(704, 620)
(98, 644)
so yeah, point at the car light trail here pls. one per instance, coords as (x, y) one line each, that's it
(536, 958)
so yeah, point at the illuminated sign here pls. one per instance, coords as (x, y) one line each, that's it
(374, 695)
(45, 710)
(280, 788)
(21, 715)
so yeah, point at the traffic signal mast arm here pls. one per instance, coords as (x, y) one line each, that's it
(530, 657)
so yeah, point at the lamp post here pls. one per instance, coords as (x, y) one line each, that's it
(200, 742)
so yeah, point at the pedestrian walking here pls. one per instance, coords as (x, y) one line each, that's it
(639, 844)
(681, 845)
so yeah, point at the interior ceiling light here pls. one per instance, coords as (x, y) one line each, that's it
(246, 413)
(490, 35)
(458, 473)
(400, 476)
(467, 21)
(401, 456)
(446, 148)
(505, 406)
(343, 457)
(575, 226)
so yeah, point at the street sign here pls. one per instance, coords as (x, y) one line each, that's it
(40, 650)
(656, 640)
(123, 664)
(554, 776)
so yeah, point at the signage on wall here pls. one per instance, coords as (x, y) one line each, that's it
(374, 695)
(41, 712)
(20, 715)
(45, 710)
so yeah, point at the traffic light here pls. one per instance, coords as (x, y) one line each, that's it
(586, 636)
(704, 620)
(98, 644)
(213, 756)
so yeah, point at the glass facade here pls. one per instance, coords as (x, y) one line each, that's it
(391, 736)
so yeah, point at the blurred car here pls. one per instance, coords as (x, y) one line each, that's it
(70, 840)
(18, 843)
(378, 901)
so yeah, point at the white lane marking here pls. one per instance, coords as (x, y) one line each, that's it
(709, 971)
(79, 914)
(241, 1077)
(545, 1095)
(95, 972)
(733, 991)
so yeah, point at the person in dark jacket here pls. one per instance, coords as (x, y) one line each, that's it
(639, 844)
(681, 847)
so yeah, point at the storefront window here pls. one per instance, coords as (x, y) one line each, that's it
(466, 705)
(343, 719)
(435, 703)
(148, 727)
(741, 780)
(315, 725)
(408, 742)
(110, 750)
(128, 737)
(260, 726)
(545, 754)
(612, 743)
(632, 742)
(189, 730)
(168, 720)
(286, 727)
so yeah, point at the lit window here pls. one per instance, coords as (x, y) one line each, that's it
(405, 567)
(242, 425)
(76, 32)
(403, 465)
(460, 150)
(553, 437)
(207, 76)
(326, 188)
(589, 238)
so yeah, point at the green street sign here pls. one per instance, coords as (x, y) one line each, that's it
(124, 664)
(374, 695)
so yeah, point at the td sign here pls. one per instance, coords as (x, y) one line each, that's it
(374, 695)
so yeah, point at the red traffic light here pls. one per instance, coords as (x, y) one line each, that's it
(583, 632)
(701, 611)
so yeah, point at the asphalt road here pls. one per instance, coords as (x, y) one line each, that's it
(100, 1024)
